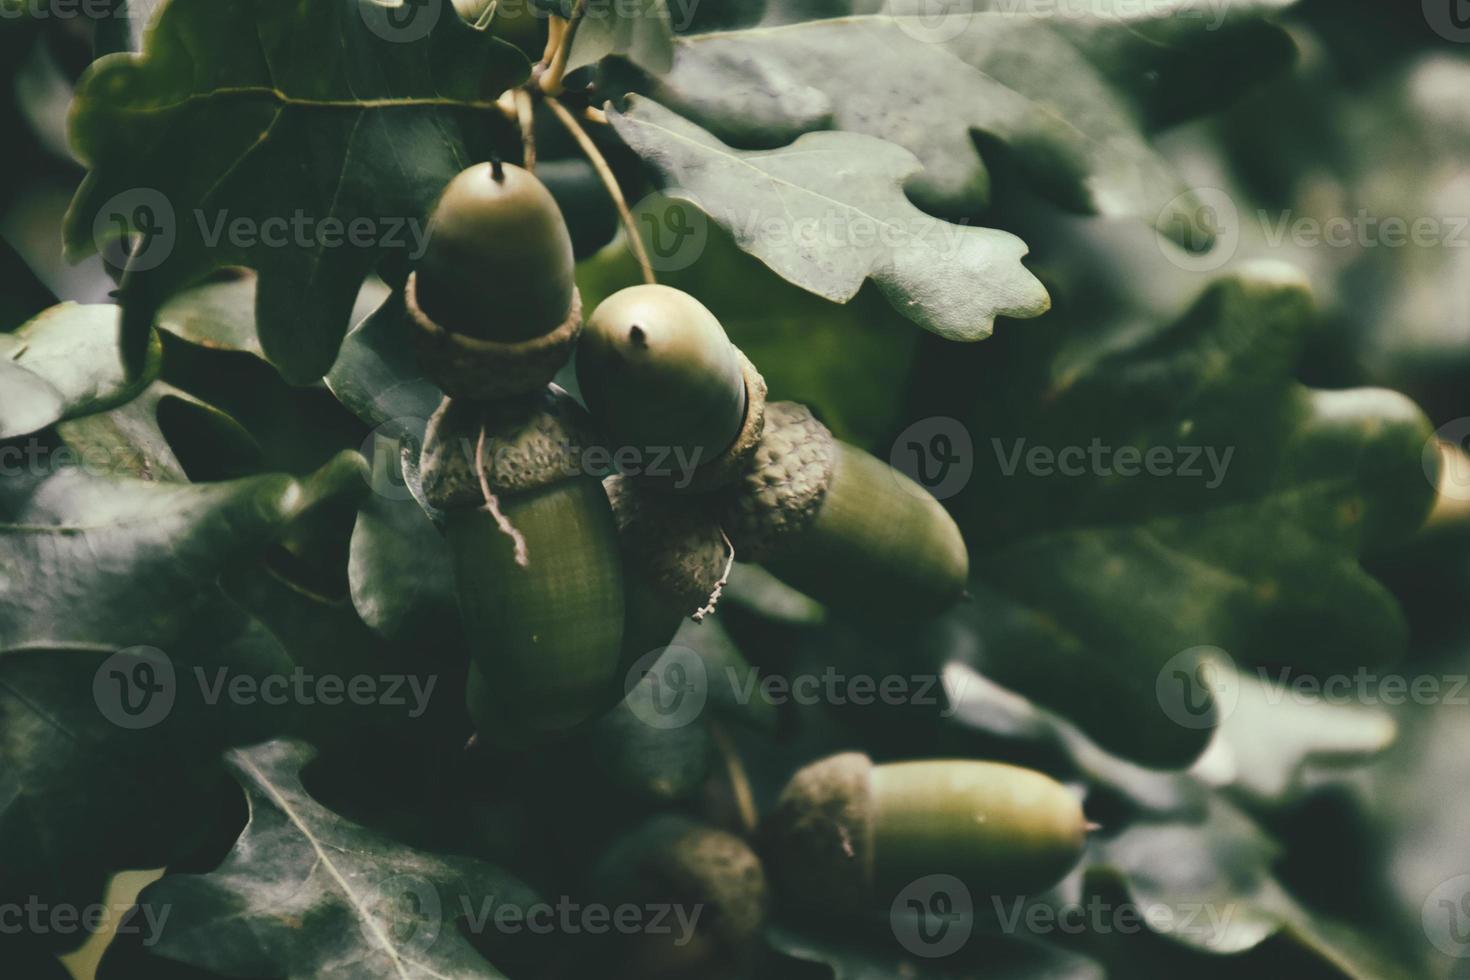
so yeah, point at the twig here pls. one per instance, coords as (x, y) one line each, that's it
(556, 66)
(739, 782)
(526, 115)
(719, 590)
(610, 181)
(492, 504)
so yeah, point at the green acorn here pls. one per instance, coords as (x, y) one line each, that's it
(711, 880)
(536, 561)
(493, 295)
(660, 375)
(842, 526)
(848, 836)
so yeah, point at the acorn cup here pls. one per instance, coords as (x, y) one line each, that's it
(493, 298)
(658, 372)
(675, 561)
(848, 836)
(537, 565)
(708, 888)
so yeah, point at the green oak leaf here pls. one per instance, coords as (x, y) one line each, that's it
(64, 363)
(828, 212)
(400, 569)
(339, 113)
(1065, 91)
(641, 32)
(307, 893)
(1105, 562)
(87, 558)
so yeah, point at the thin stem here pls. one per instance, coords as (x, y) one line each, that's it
(556, 67)
(599, 163)
(492, 505)
(740, 793)
(719, 589)
(526, 115)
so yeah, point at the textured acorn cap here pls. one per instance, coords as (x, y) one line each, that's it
(498, 263)
(818, 841)
(673, 859)
(672, 542)
(784, 483)
(474, 368)
(530, 443)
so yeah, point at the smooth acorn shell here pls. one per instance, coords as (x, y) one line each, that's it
(498, 264)
(880, 542)
(547, 637)
(658, 372)
(847, 836)
(1001, 829)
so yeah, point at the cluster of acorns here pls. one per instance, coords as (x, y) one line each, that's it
(567, 575)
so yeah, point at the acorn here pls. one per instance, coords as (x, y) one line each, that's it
(493, 296)
(710, 879)
(848, 836)
(536, 562)
(660, 375)
(845, 528)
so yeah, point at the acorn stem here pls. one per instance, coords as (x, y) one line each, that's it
(492, 505)
(497, 169)
(708, 609)
(610, 181)
(526, 116)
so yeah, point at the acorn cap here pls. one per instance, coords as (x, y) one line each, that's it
(784, 483)
(818, 841)
(498, 263)
(673, 859)
(471, 368)
(530, 443)
(672, 542)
